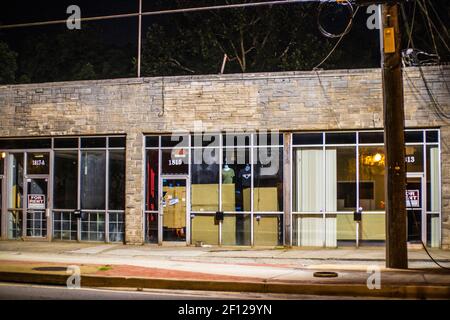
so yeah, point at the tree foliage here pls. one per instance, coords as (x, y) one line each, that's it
(8, 64)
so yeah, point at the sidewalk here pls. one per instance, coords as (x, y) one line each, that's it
(226, 269)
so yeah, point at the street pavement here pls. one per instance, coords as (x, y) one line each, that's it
(215, 264)
(10, 291)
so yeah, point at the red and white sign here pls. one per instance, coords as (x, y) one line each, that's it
(36, 201)
(412, 199)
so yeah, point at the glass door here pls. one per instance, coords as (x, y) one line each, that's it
(37, 204)
(414, 208)
(174, 206)
(37, 194)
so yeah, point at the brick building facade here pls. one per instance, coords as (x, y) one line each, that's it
(291, 102)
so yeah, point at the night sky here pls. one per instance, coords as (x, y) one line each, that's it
(123, 32)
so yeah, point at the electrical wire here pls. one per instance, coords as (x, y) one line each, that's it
(439, 111)
(431, 25)
(339, 41)
(346, 5)
(409, 31)
(159, 12)
(416, 223)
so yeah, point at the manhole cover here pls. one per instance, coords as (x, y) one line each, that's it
(50, 269)
(325, 274)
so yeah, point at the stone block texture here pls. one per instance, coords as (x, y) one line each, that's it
(288, 101)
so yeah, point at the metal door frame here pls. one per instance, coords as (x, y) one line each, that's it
(48, 209)
(161, 208)
(423, 201)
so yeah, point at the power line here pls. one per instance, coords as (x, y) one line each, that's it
(339, 41)
(160, 12)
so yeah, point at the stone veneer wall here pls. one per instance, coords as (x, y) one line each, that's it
(324, 100)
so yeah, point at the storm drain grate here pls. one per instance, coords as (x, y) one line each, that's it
(50, 269)
(325, 274)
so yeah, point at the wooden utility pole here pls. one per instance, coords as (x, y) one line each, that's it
(394, 139)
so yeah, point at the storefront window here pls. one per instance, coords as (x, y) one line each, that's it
(116, 183)
(151, 197)
(341, 178)
(204, 229)
(268, 230)
(268, 181)
(308, 182)
(414, 158)
(93, 184)
(15, 172)
(2, 162)
(65, 180)
(236, 179)
(175, 161)
(236, 230)
(205, 179)
(433, 178)
(38, 163)
(371, 178)
(15, 199)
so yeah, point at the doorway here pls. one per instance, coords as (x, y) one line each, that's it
(415, 208)
(37, 205)
(173, 210)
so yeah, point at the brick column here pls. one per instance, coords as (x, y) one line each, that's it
(134, 189)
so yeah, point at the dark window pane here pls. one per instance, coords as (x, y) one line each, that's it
(117, 142)
(232, 140)
(65, 143)
(151, 197)
(269, 139)
(116, 180)
(307, 138)
(432, 136)
(340, 138)
(152, 141)
(205, 140)
(2, 163)
(15, 182)
(93, 142)
(205, 179)
(175, 161)
(93, 184)
(413, 136)
(38, 163)
(175, 140)
(371, 137)
(66, 180)
(414, 158)
(236, 179)
(341, 172)
(25, 144)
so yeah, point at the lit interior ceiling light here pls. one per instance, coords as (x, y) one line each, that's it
(3, 155)
(377, 157)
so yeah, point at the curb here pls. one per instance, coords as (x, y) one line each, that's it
(355, 290)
